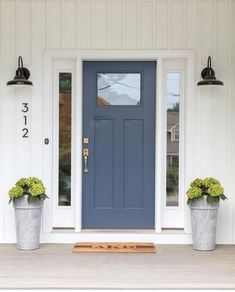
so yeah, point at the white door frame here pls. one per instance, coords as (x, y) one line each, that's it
(48, 235)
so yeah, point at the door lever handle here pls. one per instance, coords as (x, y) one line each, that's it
(85, 157)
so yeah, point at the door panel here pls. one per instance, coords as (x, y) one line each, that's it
(133, 164)
(103, 151)
(119, 120)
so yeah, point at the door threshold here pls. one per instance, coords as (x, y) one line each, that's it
(128, 231)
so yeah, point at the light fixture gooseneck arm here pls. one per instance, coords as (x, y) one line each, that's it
(20, 62)
(209, 62)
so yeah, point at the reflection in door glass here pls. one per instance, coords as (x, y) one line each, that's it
(173, 136)
(118, 89)
(65, 98)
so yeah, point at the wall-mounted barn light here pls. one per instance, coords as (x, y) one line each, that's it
(22, 75)
(208, 76)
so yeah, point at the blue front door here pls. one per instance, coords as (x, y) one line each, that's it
(118, 144)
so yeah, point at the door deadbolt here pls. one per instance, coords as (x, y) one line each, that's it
(85, 140)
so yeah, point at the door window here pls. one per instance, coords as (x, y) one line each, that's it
(118, 89)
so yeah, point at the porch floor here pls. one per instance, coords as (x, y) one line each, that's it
(174, 266)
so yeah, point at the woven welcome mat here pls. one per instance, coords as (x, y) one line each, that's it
(114, 247)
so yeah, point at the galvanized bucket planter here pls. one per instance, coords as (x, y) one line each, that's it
(28, 222)
(204, 222)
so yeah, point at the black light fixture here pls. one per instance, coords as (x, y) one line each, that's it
(22, 75)
(208, 76)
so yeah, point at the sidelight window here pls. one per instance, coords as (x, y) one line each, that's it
(173, 144)
(63, 151)
(65, 98)
(172, 137)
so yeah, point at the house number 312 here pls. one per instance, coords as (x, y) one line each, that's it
(25, 110)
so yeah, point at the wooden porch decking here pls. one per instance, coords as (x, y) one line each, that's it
(174, 266)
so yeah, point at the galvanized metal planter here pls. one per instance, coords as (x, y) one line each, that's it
(28, 223)
(204, 222)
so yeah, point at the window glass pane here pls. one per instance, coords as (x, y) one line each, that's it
(65, 98)
(173, 136)
(118, 89)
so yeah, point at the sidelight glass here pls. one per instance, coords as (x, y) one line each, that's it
(118, 89)
(173, 138)
(65, 99)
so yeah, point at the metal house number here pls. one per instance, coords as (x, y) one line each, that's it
(25, 110)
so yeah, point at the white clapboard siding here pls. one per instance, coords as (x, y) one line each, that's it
(38, 44)
(131, 24)
(115, 29)
(84, 24)
(161, 24)
(28, 27)
(222, 128)
(54, 24)
(99, 24)
(69, 24)
(8, 113)
(231, 105)
(175, 24)
(146, 25)
(192, 21)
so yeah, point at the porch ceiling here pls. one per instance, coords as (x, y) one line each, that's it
(175, 266)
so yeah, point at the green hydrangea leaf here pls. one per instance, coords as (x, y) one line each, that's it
(223, 197)
(212, 199)
(32, 199)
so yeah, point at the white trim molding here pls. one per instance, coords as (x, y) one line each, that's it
(157, 235)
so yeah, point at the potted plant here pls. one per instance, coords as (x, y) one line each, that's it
(203, 198)
(28, 195)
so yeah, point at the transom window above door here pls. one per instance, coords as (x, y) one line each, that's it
(118, 89)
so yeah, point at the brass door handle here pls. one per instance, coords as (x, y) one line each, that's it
(85, 157)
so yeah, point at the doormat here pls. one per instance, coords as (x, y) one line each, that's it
(114, 247)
